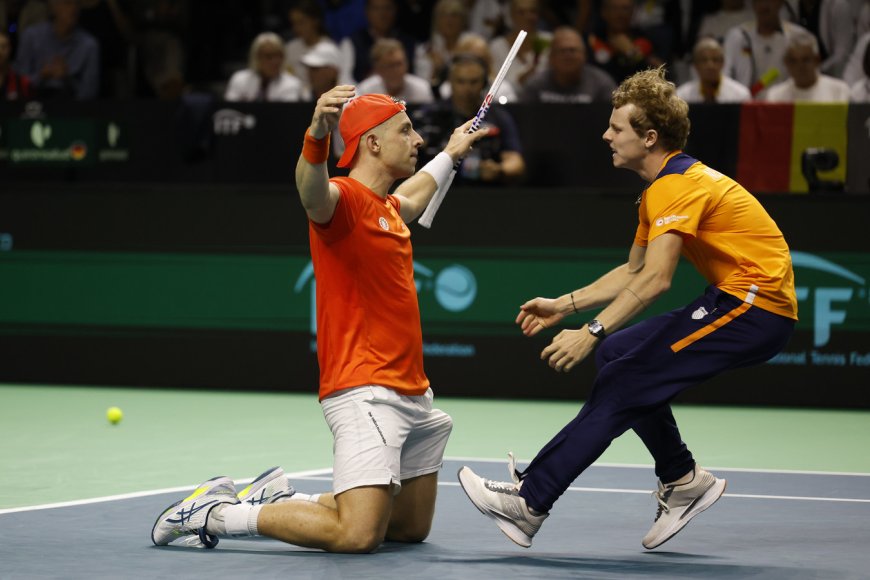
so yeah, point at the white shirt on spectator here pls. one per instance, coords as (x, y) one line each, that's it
(750, 56)
(717, 24)
(730, 91)
(415, 90)
(860, 92)
(245, 85)
(855, 65)
(826, 90)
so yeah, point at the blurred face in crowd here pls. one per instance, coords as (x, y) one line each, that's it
(525, 14)
(450, 18)
(304, 26)
(567, 56)
(467, 79)
(802, 64)
(65, 14)
(392, 66)
(381, 15)
(708, 63)
(269, 60)
(617, 14)
(767, 12)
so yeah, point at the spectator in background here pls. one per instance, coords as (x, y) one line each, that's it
(265, 78)
(711, 86)
(862, 25)
(860, 89)
(495, 159)
(485, 17)
(754, 50)
(381, 23)
(109, 22)
(391, 75)
(568, 79)
(532, 56)
(13, 86)
(31, 12)
(162, 55)
(661, 21)
(616, 46)
(306, 21)
(833, 25)
(855, 64)
(343, 17)
(60, 58)
(323, 66)
(476, 45)
(731, 13)
(806, 83)
(449, 27)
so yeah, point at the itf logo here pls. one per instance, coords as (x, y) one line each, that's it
(454, 287)
(829, 301)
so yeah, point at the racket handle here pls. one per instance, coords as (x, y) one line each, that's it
(429, 215)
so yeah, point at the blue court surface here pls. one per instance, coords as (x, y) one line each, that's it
(779, 525)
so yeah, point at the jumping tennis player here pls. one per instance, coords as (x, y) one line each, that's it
(744, 317)
(388, 439)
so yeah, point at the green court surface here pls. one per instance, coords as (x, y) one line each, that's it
(56, 444)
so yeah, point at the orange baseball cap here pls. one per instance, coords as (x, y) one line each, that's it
(361, 114)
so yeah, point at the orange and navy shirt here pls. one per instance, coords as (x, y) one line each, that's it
(727, 234)
(368, 318)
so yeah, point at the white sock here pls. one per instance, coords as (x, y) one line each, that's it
(233, 520)
(313, 498)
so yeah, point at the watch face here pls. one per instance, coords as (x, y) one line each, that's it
(596, 328)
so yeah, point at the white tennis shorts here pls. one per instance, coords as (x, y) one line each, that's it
(381, 437)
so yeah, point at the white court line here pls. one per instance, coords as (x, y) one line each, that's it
(137, 494)
(708, 467)
(316, 475)
(737, 495)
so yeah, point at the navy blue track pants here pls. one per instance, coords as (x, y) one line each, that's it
(641, 368)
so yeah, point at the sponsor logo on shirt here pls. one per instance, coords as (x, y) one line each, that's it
(670, 219)
(699, 313)
(385, 225)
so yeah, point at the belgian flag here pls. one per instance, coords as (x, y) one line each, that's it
(774, 135)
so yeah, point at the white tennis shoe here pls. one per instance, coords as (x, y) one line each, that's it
(271, 486)
(678, 504)
(189, 516)
(501, 501)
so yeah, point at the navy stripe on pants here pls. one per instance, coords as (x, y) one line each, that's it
(638, 375)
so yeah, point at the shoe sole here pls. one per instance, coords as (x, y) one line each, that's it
(510, 530)
(710, 497)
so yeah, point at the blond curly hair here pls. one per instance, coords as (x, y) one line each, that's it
(656, 107)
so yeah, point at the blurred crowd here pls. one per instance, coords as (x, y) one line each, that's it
(291, 50)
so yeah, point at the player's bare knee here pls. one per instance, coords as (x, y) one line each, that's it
(357, 542)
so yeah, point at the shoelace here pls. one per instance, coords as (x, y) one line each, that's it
(662, 499)
(500, 486)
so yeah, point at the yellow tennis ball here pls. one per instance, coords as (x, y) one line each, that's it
(114, 415)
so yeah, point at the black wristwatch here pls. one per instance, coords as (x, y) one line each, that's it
(596, 329)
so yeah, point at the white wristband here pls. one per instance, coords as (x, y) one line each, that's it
(439, 168)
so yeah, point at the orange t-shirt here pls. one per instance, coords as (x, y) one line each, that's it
(368, 318)
(727, 235)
